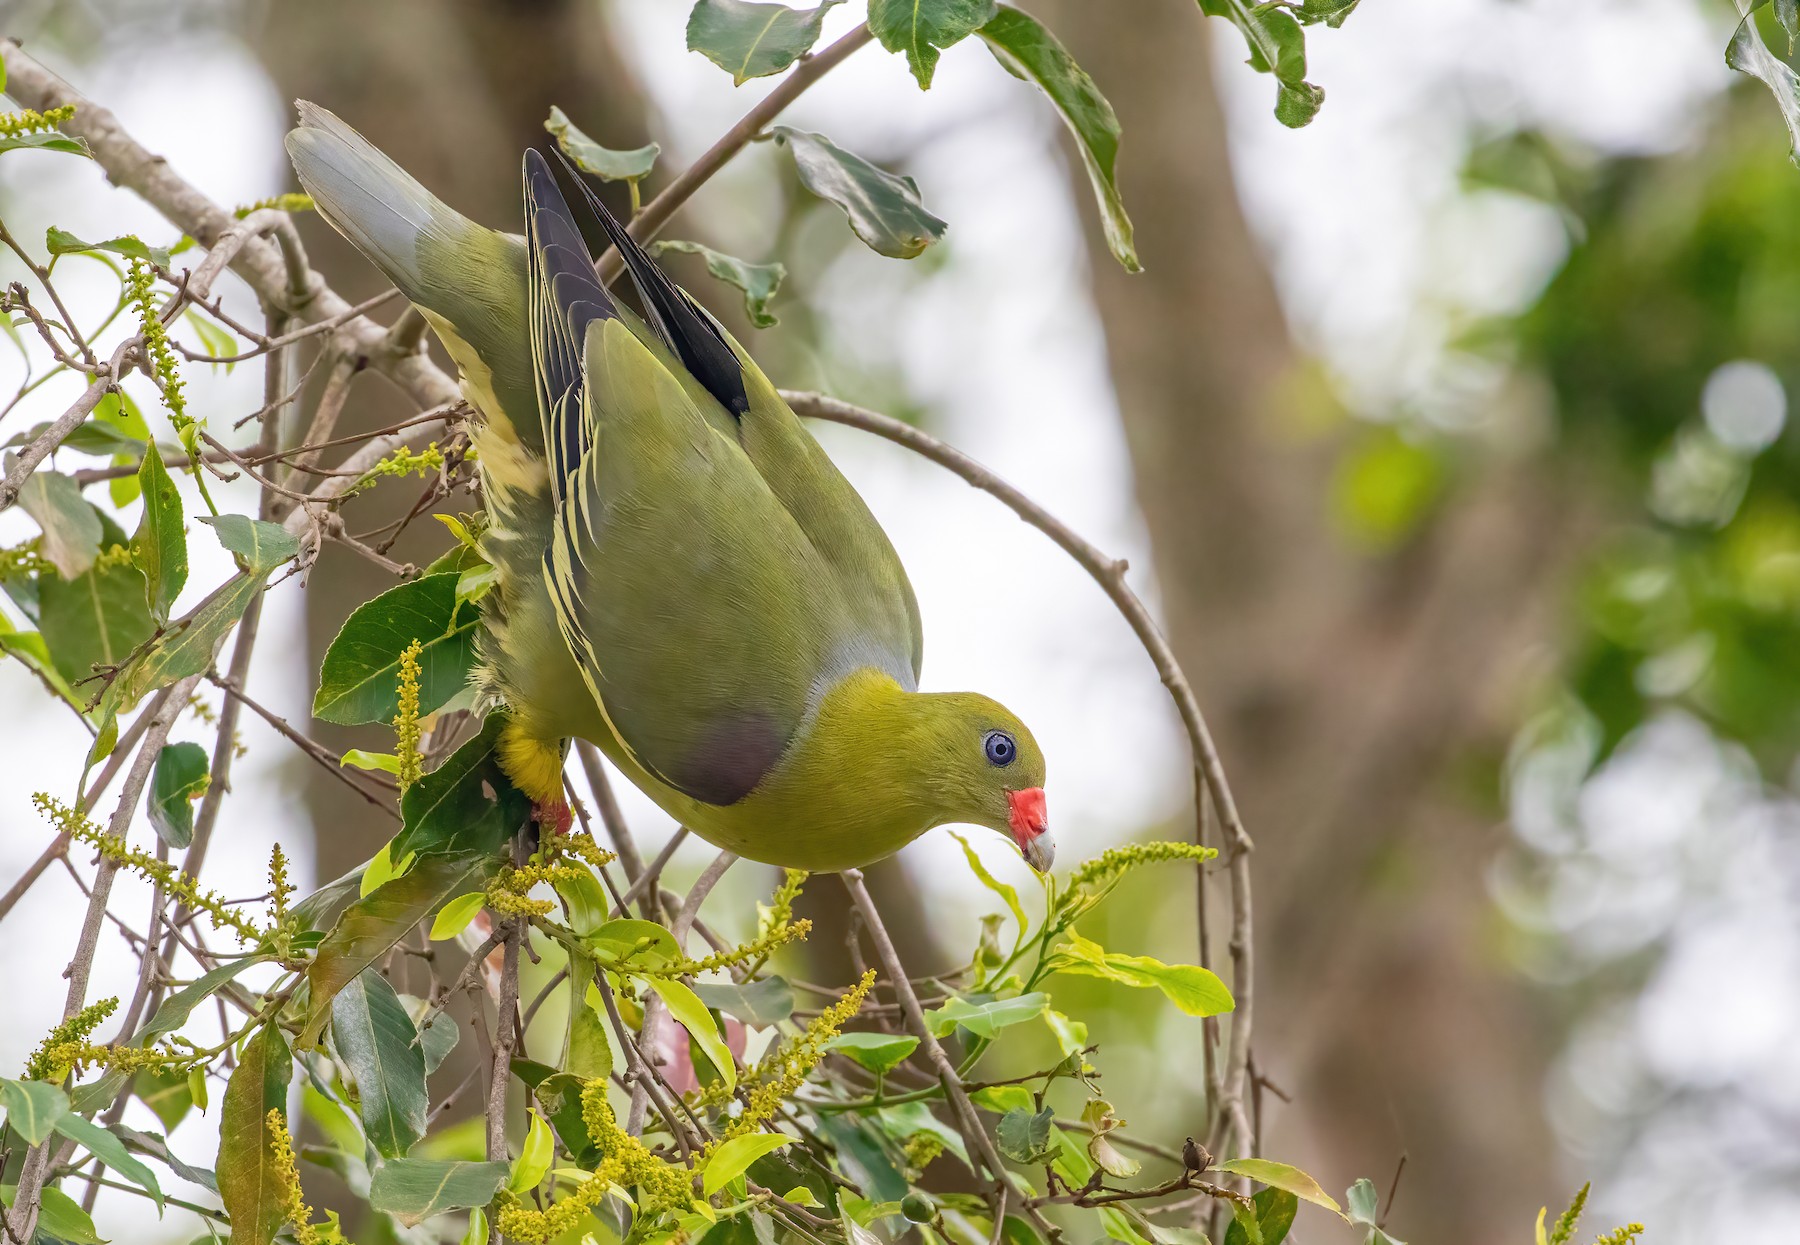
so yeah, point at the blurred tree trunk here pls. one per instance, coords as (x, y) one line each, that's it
(454, 90)
(1340, 685)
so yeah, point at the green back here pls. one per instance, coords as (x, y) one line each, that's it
(713, 573)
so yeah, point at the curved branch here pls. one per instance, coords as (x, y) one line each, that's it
(1209, 769)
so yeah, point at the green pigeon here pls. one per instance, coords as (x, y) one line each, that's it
(683, 577)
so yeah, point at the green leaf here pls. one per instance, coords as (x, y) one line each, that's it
(1008, 895)
(32, 1107)
(370, 927)
(378, 1043)
(1747, 54)
(880, 1053)
(61, 242)
(1281, 1176)
(72, 531)
(100, 1143)
(630, 941)
(984, 1018)
(1071, 1035)
(733, 1158)
(760, 1003)
(758, 281)
(260, 546)
(686, 1007)
(605, 163)
(181, 778)
(467, 804)
(358, 681)
(382, 868)
(188, 645)
(454, 917)
(360, 758)
(118, 412)
(584, 899)
(559, 1098)
(250, 1184)
(1277, 46)
(534, 1156)
(1098, 1116)
(1266, 1221)
(159, 549)
(29, 649)
(44, 140)
(413, 1190)
(586, 1051)
(96, 619)
(165, 1093)
(753, 40)
(60, 1217)
(884, 209)
(1027, 50)
(152, 1146)
(1363, 1204)
(96, 436)
(1196, 991)
(1024, 1135)
(215, 342)
(1333, 12)
(922, 29)
(910, 1119)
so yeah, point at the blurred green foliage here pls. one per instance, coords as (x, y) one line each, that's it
(1681, 266)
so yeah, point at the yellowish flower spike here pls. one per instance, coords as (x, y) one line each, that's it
(406, 722)
(28, 120)
(135, 860)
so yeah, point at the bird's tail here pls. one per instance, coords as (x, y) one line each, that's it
(380, 207)
(468, 280)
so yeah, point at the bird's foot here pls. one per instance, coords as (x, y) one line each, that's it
(554, 815)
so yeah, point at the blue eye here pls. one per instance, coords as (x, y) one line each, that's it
(1001, 750)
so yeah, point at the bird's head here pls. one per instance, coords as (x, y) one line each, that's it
(988, 771)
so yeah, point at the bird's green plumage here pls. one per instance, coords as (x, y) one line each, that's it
(684, 577)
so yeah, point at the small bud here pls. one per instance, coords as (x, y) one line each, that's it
(1194, 1156)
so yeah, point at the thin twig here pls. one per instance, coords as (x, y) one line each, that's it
(969, 1124)
(22, 1219)
(657, 212)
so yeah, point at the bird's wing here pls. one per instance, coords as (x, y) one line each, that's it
(836, 520)
(701, 617)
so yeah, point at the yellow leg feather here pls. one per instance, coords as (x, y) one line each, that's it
(534, 765)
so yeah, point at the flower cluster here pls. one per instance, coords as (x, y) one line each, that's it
(27, 120)
(783, 1070)
(626, 1161)
(51, 1060)
(139, 279)
(406, 722)
(1112, 864)
(758, 951)
(403, 462)
(172, 880)
(293, 1200)
(281, 203)
(510, 892)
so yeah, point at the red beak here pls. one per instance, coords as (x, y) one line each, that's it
(1031, 827)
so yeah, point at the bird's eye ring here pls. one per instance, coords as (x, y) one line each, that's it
(1000, 748)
